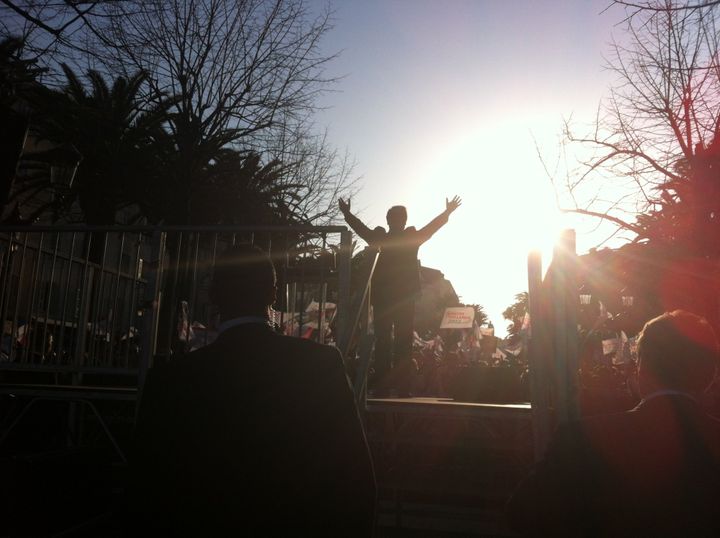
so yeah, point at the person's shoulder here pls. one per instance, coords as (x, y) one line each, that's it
(169, 378)
(185, 363)
(581, 430)
(307, 353)
(378, 234)
(603, 422)
(307, 347)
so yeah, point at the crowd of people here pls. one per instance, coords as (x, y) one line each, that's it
(447, 364)
(653, 470)
(259, 433)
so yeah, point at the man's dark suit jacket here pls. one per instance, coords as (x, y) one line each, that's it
(397, 275)
(256, 434)
(651, 471)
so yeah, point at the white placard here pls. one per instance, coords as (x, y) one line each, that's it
(458, 317)
(609, 345)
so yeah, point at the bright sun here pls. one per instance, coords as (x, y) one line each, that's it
(508, 210)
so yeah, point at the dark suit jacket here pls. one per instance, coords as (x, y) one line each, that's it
(256, 434)
(397, 274)
(651, 471)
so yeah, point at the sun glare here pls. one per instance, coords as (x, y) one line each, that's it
(508, 210)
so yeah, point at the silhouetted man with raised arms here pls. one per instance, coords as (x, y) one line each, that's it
(652, 471)
(256, 434)
(395, 286)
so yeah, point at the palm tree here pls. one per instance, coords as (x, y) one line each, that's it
(117, 133)
(481, 317)
(17, 76)
(236, 188)
(687, 213)
(515, 313)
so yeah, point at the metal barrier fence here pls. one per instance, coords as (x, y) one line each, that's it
(109, 299)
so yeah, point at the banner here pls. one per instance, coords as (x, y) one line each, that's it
(610, 345)
(310, 319)
(458, 317)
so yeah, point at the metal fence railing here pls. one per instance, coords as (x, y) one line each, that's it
(111, 299)
(87, 310)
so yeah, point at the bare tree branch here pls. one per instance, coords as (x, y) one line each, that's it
(652, 6)
(662, 110)
(605, 216)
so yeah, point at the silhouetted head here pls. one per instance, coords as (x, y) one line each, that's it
(244, 282)
(396, 217)
(677, 351)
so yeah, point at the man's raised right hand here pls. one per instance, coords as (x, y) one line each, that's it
(344, 206)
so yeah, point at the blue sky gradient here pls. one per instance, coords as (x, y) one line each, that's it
(449, 97)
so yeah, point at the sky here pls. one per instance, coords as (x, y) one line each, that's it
(450, 97)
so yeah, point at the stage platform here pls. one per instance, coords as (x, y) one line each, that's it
(442, 466)
(447, 466)
(446, 405)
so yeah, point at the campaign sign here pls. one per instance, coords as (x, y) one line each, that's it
(458, 317)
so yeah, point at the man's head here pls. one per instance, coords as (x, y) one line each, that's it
(243, 282)
(677, 351)
(396, 217)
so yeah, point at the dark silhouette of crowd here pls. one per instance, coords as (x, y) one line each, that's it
(651, 471)
(259, 433)
(256, 434)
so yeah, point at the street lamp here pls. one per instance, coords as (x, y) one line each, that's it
(64, 161)
(61, 162)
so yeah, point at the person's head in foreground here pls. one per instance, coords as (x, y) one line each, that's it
(677, 351)
(243, 282)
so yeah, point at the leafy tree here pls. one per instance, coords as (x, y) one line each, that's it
(246, 75)
(16, 72)
(481, 317)
(115, 131)
(239, 189)
(515, 313)
(653, 165)
(17, 77)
